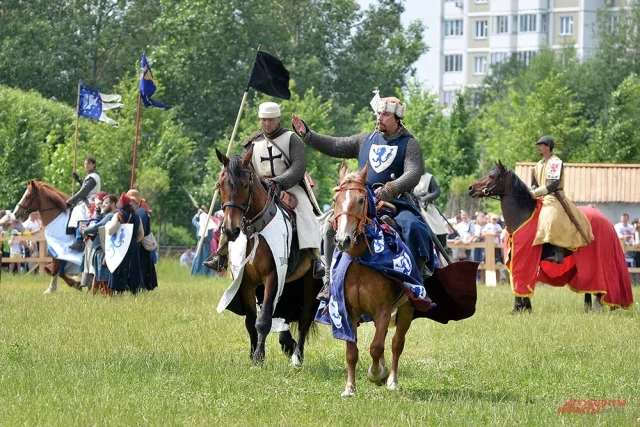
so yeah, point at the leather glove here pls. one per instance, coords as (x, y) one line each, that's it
(540, 191)
(273, 186)
(75, 175)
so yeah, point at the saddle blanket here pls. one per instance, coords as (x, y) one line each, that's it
(59, 241)
(388, 254)
(278, 235)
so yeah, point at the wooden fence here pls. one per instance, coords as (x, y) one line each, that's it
(39, 260)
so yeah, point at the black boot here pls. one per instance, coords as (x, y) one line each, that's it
(317, 268)
(329, 246)
(421, 264)
(78, 246)
(217, 262)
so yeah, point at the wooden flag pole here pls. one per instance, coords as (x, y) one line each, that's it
(75, 144)
(233, 136)
(135, 143)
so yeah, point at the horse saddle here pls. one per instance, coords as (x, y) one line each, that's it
(288, 201)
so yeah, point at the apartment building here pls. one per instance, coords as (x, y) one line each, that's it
(476, 34)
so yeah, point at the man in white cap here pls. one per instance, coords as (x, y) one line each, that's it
(395, 167)
(279, 157)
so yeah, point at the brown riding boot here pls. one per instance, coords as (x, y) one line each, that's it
(217, 262)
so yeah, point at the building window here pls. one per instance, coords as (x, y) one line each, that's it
(566, 25)
(452, 63)
(481, 29)
(501, 24)
(453, 27)
(499, 57)
(526, 55)
(448, 98)
(543, 23)
(479, 65)
(528, 23)
(613, 23)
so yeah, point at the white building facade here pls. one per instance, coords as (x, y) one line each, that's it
(476, 34)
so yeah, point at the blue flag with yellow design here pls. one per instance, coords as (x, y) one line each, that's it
(147, 85)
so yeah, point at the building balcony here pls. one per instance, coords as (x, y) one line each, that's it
(533, 41)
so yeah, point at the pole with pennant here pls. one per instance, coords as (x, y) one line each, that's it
(135, 143)
(75, 143)
(269, 76)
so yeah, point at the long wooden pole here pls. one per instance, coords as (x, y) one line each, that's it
(215, 193)
(135, 143)
(75, 144)
(233, 136)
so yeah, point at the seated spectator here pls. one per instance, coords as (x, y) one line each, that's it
(623, 226)
(481, 221)
(464, 227)
(494, 229)
(186, 259)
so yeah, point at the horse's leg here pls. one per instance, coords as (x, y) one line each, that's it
(287, 343)
(309, 307)
(403, 322)
(597, 305)
(378, 372)
(263, 323)
(587, 302)
(53, 283)
(249, 300)
(352, 360)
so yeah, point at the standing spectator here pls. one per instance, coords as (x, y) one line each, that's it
(101, 272)
(186, 259)
(128, 275)
(15, 252)
(465, 231)
(493, 230)
(481, 221)
(198, 222)
(148, 243)
(623, 227)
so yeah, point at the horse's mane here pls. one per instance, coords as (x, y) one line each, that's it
(521, 190)
(49, 192)
(235, 171)
(352, 177)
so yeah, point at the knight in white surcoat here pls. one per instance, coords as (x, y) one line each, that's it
(279, 158)
(82, 203)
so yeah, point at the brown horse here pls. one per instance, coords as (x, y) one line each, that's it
(367, 291)
(598, 268)
(50, 202)
(245, 202)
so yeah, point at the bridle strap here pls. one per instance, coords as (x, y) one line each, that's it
(361, 217)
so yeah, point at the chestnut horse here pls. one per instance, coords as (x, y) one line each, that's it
(245, 200)
(604, 271)
(50, 202)
(367, 291)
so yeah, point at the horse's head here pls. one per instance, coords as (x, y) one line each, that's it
(236, 191)
(350, 207)
(30, 202)
(492, 184)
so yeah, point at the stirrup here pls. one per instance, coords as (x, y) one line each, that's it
(317, 268)
(323, 295)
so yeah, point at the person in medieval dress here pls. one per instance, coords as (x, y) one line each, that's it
(101, 272)
(426, 192)
(148, 267)
(82, 203)
(198, 221)
(395, 167)
(128, 275)
(86, 267)
(279, 157)
(562, 228)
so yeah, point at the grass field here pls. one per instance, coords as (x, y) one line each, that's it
(167, 358)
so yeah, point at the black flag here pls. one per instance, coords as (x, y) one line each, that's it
(270, 76)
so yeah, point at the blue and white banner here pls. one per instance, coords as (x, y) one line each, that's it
(93, 104)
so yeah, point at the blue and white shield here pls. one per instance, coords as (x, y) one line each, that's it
(382, 156)
(117, 246)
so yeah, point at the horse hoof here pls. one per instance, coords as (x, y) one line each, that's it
(48, 291)
(380, 377)
(349, 391)
(296, 361)
(392, 385)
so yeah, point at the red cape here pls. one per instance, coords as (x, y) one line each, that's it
(599, 267)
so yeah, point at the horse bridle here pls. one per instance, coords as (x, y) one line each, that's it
(362, 217)
(489, 191)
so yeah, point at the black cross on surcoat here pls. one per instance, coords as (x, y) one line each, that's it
(270, 159)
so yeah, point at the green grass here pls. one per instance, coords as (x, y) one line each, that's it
(167, 358)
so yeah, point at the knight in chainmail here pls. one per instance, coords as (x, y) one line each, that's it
(395, 167)
(279, 157)
(82, 203)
